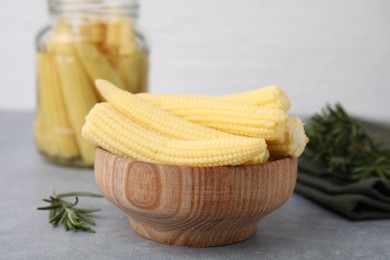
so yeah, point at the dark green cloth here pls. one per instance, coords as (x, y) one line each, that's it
(365, 199)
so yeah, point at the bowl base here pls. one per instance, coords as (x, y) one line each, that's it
(193, 237)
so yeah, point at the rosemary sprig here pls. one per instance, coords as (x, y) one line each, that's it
(64, 212)
(347, 150)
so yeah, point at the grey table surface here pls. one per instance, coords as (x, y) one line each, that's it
(298, 230)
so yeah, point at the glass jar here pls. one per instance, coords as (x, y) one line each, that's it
(85, 40)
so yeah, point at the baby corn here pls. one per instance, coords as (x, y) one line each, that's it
(270, 96)
(293, 143)
(53, 132)
(79, 98)
(175, 129)
(96, 64)
(118, 134)
(160, 121)
(252, 121)
(81, 51)
(152, 117)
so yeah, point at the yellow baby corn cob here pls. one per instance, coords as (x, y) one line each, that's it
(112, 37)
(53, 131)
(97, 31)
(259, 158)
(253, 121)
(79, 98)
(92, 30)
(96, 64)
(133, 69)
(116, 133)
(125, 71)
(294, 140)
(127, 41)
(83, 49)
(128, 66)
(160, 121)
(132, 65)
(152, 117)
(129, 71)
(271, 96)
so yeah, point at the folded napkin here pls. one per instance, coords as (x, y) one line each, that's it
(365, 199)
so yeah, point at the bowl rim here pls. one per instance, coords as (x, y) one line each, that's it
(100, 149)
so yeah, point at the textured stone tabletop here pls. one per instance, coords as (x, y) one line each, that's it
(298, 230)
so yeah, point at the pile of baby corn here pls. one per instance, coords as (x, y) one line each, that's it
(194, 130)
(72, 57)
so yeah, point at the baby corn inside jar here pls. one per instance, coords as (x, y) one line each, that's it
(85, 40)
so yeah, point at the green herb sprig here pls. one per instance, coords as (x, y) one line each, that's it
(340, 142)
(64, 212)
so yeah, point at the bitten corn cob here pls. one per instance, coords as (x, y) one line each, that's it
(293, 143)
(270, 96)
(252, 121)
(118, 134)
(152, 117)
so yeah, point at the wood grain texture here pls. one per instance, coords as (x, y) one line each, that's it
(194, 206)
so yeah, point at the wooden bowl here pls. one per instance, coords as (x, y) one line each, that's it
(194, 206)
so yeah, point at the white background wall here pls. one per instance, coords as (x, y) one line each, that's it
(320, 51)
